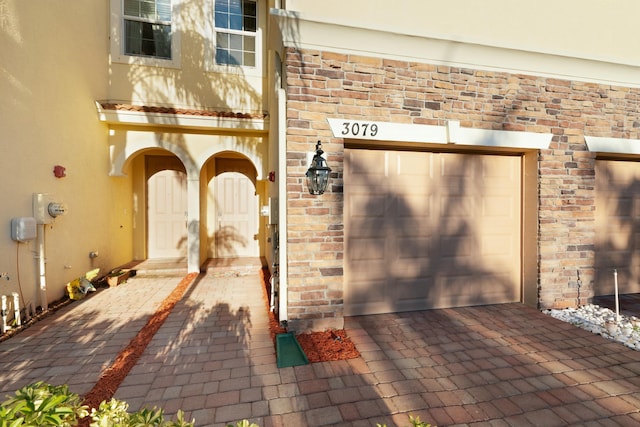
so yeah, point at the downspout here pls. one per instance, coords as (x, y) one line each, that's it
(282, 205)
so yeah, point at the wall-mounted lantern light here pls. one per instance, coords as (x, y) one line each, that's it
(318, 173)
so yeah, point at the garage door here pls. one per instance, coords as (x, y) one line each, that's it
(430, 230)
(617, 226)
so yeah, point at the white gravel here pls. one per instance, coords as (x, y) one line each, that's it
(602, 321)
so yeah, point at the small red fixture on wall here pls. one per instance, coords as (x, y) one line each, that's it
(59, 171)
(272, 176)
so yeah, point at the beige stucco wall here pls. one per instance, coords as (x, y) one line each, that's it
(50, 76)
(601, 30)
(191, 79)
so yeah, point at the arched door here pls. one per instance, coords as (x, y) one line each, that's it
(167, 214)
(236, 222)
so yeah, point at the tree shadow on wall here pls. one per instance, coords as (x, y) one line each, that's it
(226, 240)
(617, 229)
(423, 247)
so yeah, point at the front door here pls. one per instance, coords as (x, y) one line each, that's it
(236, 226)
(167, 214)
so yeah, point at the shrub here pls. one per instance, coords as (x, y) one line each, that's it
(42, 404)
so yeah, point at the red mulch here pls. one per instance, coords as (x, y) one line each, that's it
(318, 346)
(113, 376)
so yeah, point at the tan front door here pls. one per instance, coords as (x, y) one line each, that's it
(617, 226)
(167, 214)
(237, 216)
(430, 230)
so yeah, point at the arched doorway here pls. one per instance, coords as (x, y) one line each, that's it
(166, 208)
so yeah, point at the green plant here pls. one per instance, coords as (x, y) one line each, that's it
(415, 422)
(41, 404)
(243, 423)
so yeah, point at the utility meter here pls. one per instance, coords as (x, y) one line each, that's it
(56, 209)
(45, 208)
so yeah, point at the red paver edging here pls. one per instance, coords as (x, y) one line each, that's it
(113, 376)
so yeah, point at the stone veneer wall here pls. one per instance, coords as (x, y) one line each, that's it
(322, 84)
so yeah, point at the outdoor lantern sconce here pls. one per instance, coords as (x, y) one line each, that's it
(318, 173)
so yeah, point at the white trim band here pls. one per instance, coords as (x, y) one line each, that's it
(452, 133)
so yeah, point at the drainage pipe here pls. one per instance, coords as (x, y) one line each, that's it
(16, 309)
(4, 314)
(615, 286)
(282, 207)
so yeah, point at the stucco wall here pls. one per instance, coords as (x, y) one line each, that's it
(324, 84)
(50, 76)
(598, 30)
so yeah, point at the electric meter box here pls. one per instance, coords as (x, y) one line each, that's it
(23, 229)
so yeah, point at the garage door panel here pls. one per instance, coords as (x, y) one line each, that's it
(617, 226)
(367, 165)
(455, 247)
(413, 205)
(498, 207)
(367, 205)
(371, 249)
(451, 227)
(497, 245)
(414, 294)
(414, 247)
(367, 292)
(456, 206)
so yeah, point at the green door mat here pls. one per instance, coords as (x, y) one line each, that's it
(288, 351)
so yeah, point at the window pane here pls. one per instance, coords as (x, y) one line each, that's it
(235, 6)
(250, 24)
(250, 59)
(249, 43)
(222, 56)
(148, 9)
(249, 8)
(164, 10)
(235, 41)
(235, 22)
(144, 38)
(222, 40)
(235, 57)
(132, 7)
(222, 20)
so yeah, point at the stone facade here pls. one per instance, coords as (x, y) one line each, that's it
(322, 84)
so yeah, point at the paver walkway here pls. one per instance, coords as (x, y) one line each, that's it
(497, 365)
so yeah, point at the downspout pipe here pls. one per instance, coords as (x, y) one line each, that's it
(282, 205)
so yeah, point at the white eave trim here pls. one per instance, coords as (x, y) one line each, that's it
(451, 134)
(186, 121)
(604, 144)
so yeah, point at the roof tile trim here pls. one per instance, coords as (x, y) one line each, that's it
(183, 111)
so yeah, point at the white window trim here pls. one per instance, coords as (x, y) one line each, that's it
(210, 48)
(117, 43)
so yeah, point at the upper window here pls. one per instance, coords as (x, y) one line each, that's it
(147, 28)
(236, 26)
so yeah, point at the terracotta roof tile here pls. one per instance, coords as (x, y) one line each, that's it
(184, 111)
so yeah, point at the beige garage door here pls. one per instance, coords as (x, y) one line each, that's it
(430, 230)
(617, 226)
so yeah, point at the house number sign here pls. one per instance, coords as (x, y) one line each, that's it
(359, 129)
(385, 131)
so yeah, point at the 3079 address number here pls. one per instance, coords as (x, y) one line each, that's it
(359, 129)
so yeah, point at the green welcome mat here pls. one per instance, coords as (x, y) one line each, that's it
(288, 351)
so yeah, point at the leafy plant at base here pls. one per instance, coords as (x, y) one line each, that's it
(415, 422)
(243, 423)
(41, 404)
